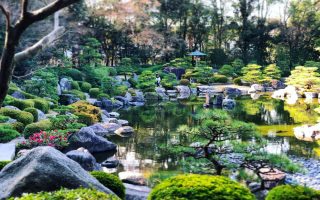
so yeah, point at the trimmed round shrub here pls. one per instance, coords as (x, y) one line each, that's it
(34, 112)
(42, 125)
(217, 78)
(77, 93)
(185, 82)
(86, 113)
(75, 85)
(42, 105)
(196, 187)
(103, 96)
(66, 194)
(18, 126)
(288, 192)
(3, 164)
(85, 87)
(21, 116)
(120, 90)
(237, 81)
(110, 181)
(4, 119)
(7, 133)
(85, 118)
(94, 92)
(112, 71)
(132, 82)
(22, 104)
(74, 74)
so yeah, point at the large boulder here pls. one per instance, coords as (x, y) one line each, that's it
(44, 169)
(41, 115)
(99, 130)
(125, 131)
(67, 99)
(106, 104)
(184, 91)
(134, 178)
(111, 127)
(136, 192)
(88, 139)
(162, 93)
(128, 96)
(85, 159)
(18, 95)
(65, 84)
(122, 99)
(111, 163)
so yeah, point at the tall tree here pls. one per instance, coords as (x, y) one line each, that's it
(13, 35)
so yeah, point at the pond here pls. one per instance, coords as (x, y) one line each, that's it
(156, 123)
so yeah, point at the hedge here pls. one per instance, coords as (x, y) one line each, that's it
(288, 192)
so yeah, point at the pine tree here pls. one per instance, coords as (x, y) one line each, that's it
(304, 78)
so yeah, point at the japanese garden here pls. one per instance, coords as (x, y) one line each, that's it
(160, 99)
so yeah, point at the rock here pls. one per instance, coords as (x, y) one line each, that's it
(151, 96)
(111, 120)
(172, 93)
(92, 101)
(135, 192)
(98, 104)
(106, 113)
(99, 130)
(44, 169)
(67, 99)
(12, 107)
(162, 93)
(254, 186)
(136, 103)
(111, 163)
(232, 92)
(128, 96)
(255, 96)
(310, 95)
(23, 152)
(59, 92)
(209, 89)
(7, 151)
(122, 122)
(18, 95)
(117, 104)
(134, 178)
(307, 133)
(256, 88)
(125, 131)
(106, 104)
(272, 177)
(11, 121)
(88, 139)
(176, 70)
(85, 159)
(184, 92)
(228, 104)
(111, 127)
(65, 84)
(217, 100)
(276, 84)
(139, 97)
(41, 115)
(114, 114)
(122, 99)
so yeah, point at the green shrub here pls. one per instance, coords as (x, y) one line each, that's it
(42, 105)
(85, 87)
(287, 192)
(146, 81)
(66, 194)
(120, 90)
(42, 125)
(18, 126)
(86, 113)
(237, 81)
(62, 110)
(94, 92)
(217, 78)
(227, 70)
(103, 95)
(21, 104)
(110, 181)
(112, 71)
(4, 119)
(21, 116)
(7, 133)
(34, 112)
(75, 85)
(169, 81)
(74, 74)
(132, 82)
(3, 164)
(185, 82)
(85, 118)
(63, 121)
(194, 187)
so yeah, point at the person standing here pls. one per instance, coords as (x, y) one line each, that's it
(158, 80)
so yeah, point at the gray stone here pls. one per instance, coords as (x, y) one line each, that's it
(124, 131)
(12, 107)
(67, 99)
(232, 92)
(136, 103)
(134, 178)
(99, 130)
(86, 138)
(184, 92)
(98, 104)
(7, 151)
(122, 122)
(85, 159)
(41, 115)
(122, 99)
(18, 95)
(162, 93)
(65, 84)
(228, 104)
(114, 114)
(128, 96)
(139, 97)
(59, 92)
(135, 192)
(111, 163)
(106, 103)
(111, 120)
(44, 169)
(111, 127)
(117, 104)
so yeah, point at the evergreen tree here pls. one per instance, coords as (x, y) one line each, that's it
(271, 72)
(252, 74)
(304, 78)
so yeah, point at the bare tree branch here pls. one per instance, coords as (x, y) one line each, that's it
(40, 45)
(6, 13)
(24, 8)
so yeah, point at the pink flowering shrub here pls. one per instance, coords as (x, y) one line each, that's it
(55, 138)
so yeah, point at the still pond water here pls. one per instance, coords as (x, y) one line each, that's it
(156, 123)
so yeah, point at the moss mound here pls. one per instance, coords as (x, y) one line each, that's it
(288, 192)
(110, 181)
(34, 112)
(3, 164)
(21, 116)
(42, 125)
(7, 133)
(200, 187)
(65, 194)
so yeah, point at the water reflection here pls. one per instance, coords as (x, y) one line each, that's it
(155, 126)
